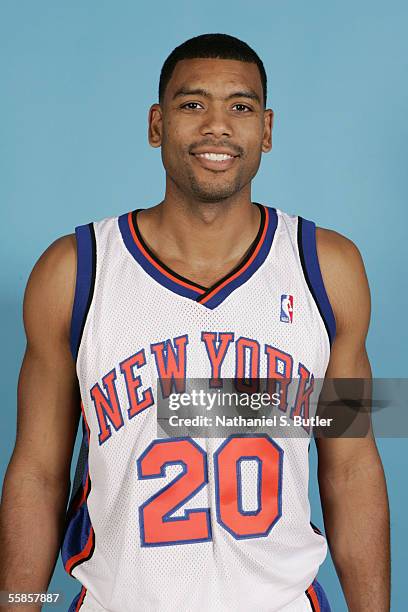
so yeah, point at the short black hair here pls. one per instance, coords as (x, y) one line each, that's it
(213, 46)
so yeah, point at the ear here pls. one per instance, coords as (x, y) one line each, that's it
(155, 121)
(267, 135)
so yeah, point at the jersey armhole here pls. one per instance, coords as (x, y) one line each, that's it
(313, 275)
(85, 282)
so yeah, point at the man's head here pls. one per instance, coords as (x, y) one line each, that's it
(211, 122)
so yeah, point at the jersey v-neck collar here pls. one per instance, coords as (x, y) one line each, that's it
(212, 296)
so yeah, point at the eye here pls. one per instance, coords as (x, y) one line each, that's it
(191, 105)
(242, 108)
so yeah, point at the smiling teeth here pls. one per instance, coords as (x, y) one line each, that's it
(215, 156)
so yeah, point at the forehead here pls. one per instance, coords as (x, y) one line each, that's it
(218, 76)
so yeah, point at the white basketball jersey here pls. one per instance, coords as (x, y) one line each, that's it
(180, 524)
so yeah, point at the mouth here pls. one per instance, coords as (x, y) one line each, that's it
(215, 161)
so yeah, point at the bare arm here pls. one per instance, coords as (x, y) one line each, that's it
(351, 478)
(37, 481)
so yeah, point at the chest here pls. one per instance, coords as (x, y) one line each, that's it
(259, 321)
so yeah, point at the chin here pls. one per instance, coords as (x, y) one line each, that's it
(213, 193)
(213, 196)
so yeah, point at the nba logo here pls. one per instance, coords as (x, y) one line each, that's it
(286, 309)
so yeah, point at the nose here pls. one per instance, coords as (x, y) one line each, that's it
(216, 123)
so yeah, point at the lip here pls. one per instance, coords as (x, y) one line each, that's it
(213, 165)
(214, 150)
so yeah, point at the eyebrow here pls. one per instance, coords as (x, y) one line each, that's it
(248, 93)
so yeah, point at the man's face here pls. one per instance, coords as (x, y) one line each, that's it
(212, 127)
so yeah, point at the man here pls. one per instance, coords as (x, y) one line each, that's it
(205, 284)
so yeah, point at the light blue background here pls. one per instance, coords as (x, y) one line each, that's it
(77, 79)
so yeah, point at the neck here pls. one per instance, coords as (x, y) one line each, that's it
(202, 233)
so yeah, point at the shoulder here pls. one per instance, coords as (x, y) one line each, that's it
(50, 288)
(338, 252)
(60, 253)
(338, 255)
(56, 264)
(344, 277)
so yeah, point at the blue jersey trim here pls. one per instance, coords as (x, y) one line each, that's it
(321, 596)
(74, 603)
(78, 601)
(85, 281)
(78, 530)
(313, 275)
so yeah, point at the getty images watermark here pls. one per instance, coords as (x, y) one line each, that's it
(343, 407)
